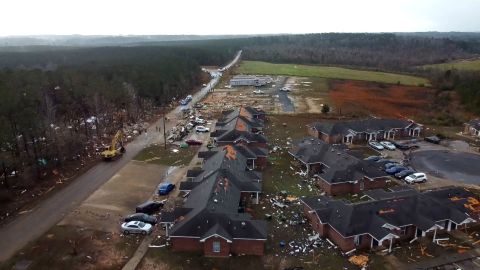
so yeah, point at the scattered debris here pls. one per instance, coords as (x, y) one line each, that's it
(359, 260)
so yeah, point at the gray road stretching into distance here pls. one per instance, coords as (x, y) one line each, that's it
(31, 225)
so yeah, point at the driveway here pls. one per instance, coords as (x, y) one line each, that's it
(31, 225)
(286, 102)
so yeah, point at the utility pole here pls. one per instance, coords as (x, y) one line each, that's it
(164, 132)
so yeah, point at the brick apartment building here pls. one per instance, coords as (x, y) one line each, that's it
(212, 218)
(243, 127)
(364, 130)
(391, 217)
(337, 171)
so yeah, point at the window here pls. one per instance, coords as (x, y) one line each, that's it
(216, 247)
(357, 239)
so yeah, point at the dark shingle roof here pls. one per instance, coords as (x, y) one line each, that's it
(359, 126)
(187, 185)
(230, 119)
(215, 198)
(235, 135)
(340, 166)
(400, 191)
(254, 111)
(423, 210)
(194, 172)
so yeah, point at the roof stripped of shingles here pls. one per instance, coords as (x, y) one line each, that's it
(231, 152)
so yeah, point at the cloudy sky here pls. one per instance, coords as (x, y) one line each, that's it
(113, 17)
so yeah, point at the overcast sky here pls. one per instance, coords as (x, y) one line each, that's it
(114, 17)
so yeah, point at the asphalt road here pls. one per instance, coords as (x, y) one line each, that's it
(31, 225)
(456, 166)
(286, 102)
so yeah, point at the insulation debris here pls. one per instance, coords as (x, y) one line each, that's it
(359, 260)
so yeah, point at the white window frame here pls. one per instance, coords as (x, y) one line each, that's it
(216, 246)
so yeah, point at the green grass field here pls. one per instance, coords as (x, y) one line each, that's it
(460, 65)
(256, 67)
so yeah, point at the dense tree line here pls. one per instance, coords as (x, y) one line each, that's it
(465, 83)
(378, 51)
(59, 106)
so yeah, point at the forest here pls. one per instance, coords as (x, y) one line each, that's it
(378, 51)
(58, 106)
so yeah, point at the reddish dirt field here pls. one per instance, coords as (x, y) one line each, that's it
(359, 98)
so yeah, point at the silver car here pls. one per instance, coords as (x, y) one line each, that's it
(376, 145)
(388, 145)
(136, 227)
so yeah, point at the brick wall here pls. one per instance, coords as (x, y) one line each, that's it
(261, 163)
(208, 247)
(313, 220)
(186, 244)
(345, 188)
(345, 244)
(369, 184)
(325, 186)
(340, 189)
(248, 247)
(325, 230)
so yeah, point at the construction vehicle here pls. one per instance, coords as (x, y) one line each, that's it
(116, 149)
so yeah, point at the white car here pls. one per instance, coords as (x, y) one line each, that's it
(285, 89)
(136, 227)
(258, 92)
(388, 145)
(376, 145)
(416, 178)
(200, 120)
(201, 129)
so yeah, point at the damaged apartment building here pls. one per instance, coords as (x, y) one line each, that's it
(243, 128)
(361, 131)
(337, 171)
(391, 217)
(214, 217)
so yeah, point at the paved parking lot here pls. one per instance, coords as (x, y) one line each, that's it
(457, 166)
(446, 164)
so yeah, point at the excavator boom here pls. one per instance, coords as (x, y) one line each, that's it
(116, 148)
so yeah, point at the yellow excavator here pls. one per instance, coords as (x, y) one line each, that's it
(116, 149)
